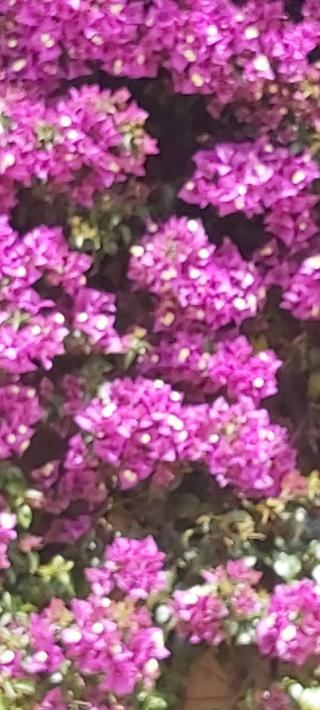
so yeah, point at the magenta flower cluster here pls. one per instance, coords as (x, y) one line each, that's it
(202, 368)
(20, 412)
(79, 146)
(206, 47)
(109, 637)
(159, 290)
(302, 295)
(290, 627)
(248, 177)
(142, 427)
(194, 281)
(7, 534)
(33, 329)
(285, 627)
(225, 600)
(120, 569)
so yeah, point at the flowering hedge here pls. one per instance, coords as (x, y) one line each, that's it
(159, 352)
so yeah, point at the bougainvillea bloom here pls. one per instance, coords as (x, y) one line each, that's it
(178, 264)
(248, 177)
(159, 352)
(134, 566)
(290, 628)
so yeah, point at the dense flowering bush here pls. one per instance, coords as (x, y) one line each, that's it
(290, 628)
(159, 353)
(221, 606)
(248, 177)
(80, 145)
(204, 366)
(112, 643)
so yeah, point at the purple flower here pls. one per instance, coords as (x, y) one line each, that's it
(195, 281)
(291, 220)
(7, 534)
(81, 145)
(290, 628)
(139, 425)
(120, 568)
(247, 451)
(78, 479)
(19, 412)
(189, 361)
(199, 615)
(53, 700)
(248, 177)
(136, 424)
(215, 610)
(46, 655)
(94, 315)
(302, 294)
(66, 530)
(274, 699)
(48, 250)
(115, 643)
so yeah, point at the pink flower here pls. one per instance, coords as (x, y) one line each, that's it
(290, 628)
(46, 655)
(120, 568)
(248, 177)
(200, 367)
(247, 450)
(53, 700)
(94, 315)
(136, 424)
(81, 145)
(68, 530)
(302, 294)
(195, 281)
(19, 412)
(199, 615)
(215, 610)
(7, 534)
(98, 643)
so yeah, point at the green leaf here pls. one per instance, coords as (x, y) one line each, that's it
(24, 516)
(287, 566)
(24, 686)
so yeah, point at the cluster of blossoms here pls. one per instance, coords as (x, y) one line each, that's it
(290, 627)
(195, 281)
(228, 603)
(7, 534)
(206, 47)
(302, 295)
(79, 146)
(142, 427)
(200, 367)
(220, 607)
(24, 261)
(299, 280)
(121, 569)
(144, 374)
(291, 220)
(108, 639)
(20, 411)
(76, 480)
(139, 427)
(245, 449)
(256, 178)
(248, 177)
(33, 329)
